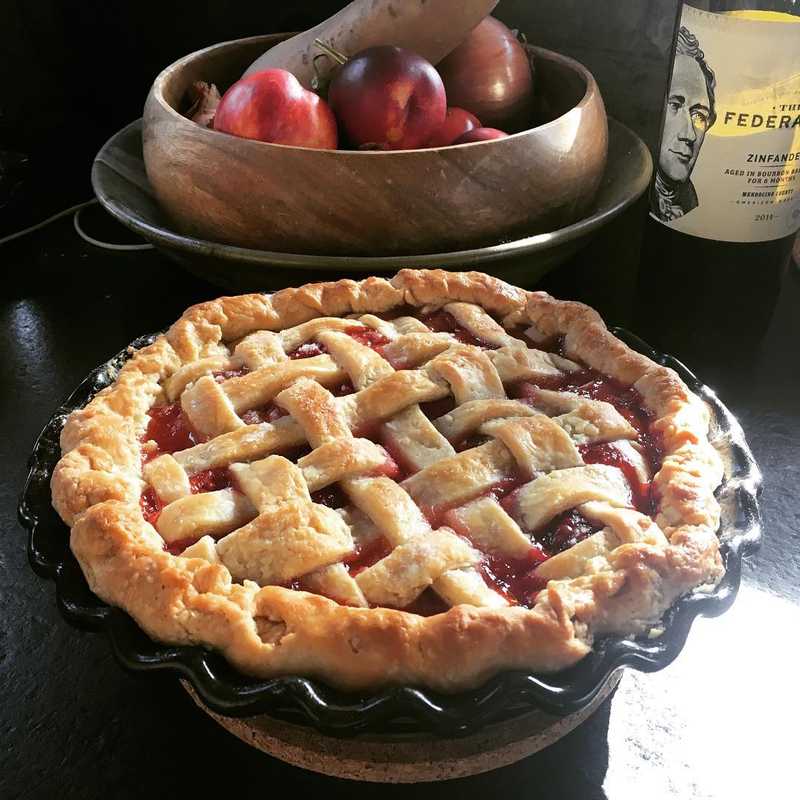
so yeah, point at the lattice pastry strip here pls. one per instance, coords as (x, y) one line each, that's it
(586, 420)
(537, 502)
(362, 364)
(520, 364)
(622, 526)
(470, 373)
(412, 434)
(465, 419)
(537, 443)
(396, 516)
(215, 513)
(475, 320)
(225, 510)
(490, 527)
(455, 480)
(413, 349)
(528, 444)
(387, 329)
(410, 430)
(208, 407)
(524, 439)
(405, 325)
(334, 581)
(175, 385)
(271, 481)
(388, 396)
(293, 338)
(169, 479)
(260, 349)
(291, 535)
(631, 452)
(398, 519)
(340, 459)
(257, 350)
(413, 566)
(244, 444)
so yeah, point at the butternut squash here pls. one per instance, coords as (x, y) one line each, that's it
(431, 28)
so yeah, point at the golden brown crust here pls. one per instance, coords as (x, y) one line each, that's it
(273, 631)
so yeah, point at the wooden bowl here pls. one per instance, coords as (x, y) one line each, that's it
(120, 183)
(340, 202)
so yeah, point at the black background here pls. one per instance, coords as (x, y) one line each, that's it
(76, 72)
(72, 723)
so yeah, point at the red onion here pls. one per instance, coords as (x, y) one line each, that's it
(490, 74)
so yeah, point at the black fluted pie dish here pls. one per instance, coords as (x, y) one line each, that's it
(403, 709)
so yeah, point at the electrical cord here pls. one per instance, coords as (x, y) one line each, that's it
(97, 243)
(76, 211)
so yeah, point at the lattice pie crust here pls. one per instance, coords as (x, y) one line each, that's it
(426, 504)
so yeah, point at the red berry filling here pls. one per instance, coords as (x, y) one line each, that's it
(211, 480)
(169, 428)
(368, 336)
(443, 322)
(331, 496)
(514, 579)
(308, 350)
(225, 374)
(366, 555)
(564, 531)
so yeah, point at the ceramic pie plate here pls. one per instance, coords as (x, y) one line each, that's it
(120, 183)
(387, 735)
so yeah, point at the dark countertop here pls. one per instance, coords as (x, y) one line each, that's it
(718, 723)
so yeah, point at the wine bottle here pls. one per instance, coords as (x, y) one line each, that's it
(725, 199)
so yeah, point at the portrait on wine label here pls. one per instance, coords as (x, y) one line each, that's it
(689, 115)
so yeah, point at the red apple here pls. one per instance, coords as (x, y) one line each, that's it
(480, 135)
(272, 106)
(456, 123)
(388, 98)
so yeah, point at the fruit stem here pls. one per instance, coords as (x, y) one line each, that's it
(331, 52)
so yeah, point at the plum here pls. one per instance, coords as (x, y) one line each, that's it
(457, 122)
(388, 98)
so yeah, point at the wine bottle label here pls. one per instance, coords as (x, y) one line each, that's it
(729, 161)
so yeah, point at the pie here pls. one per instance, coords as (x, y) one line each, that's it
(423, 480)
